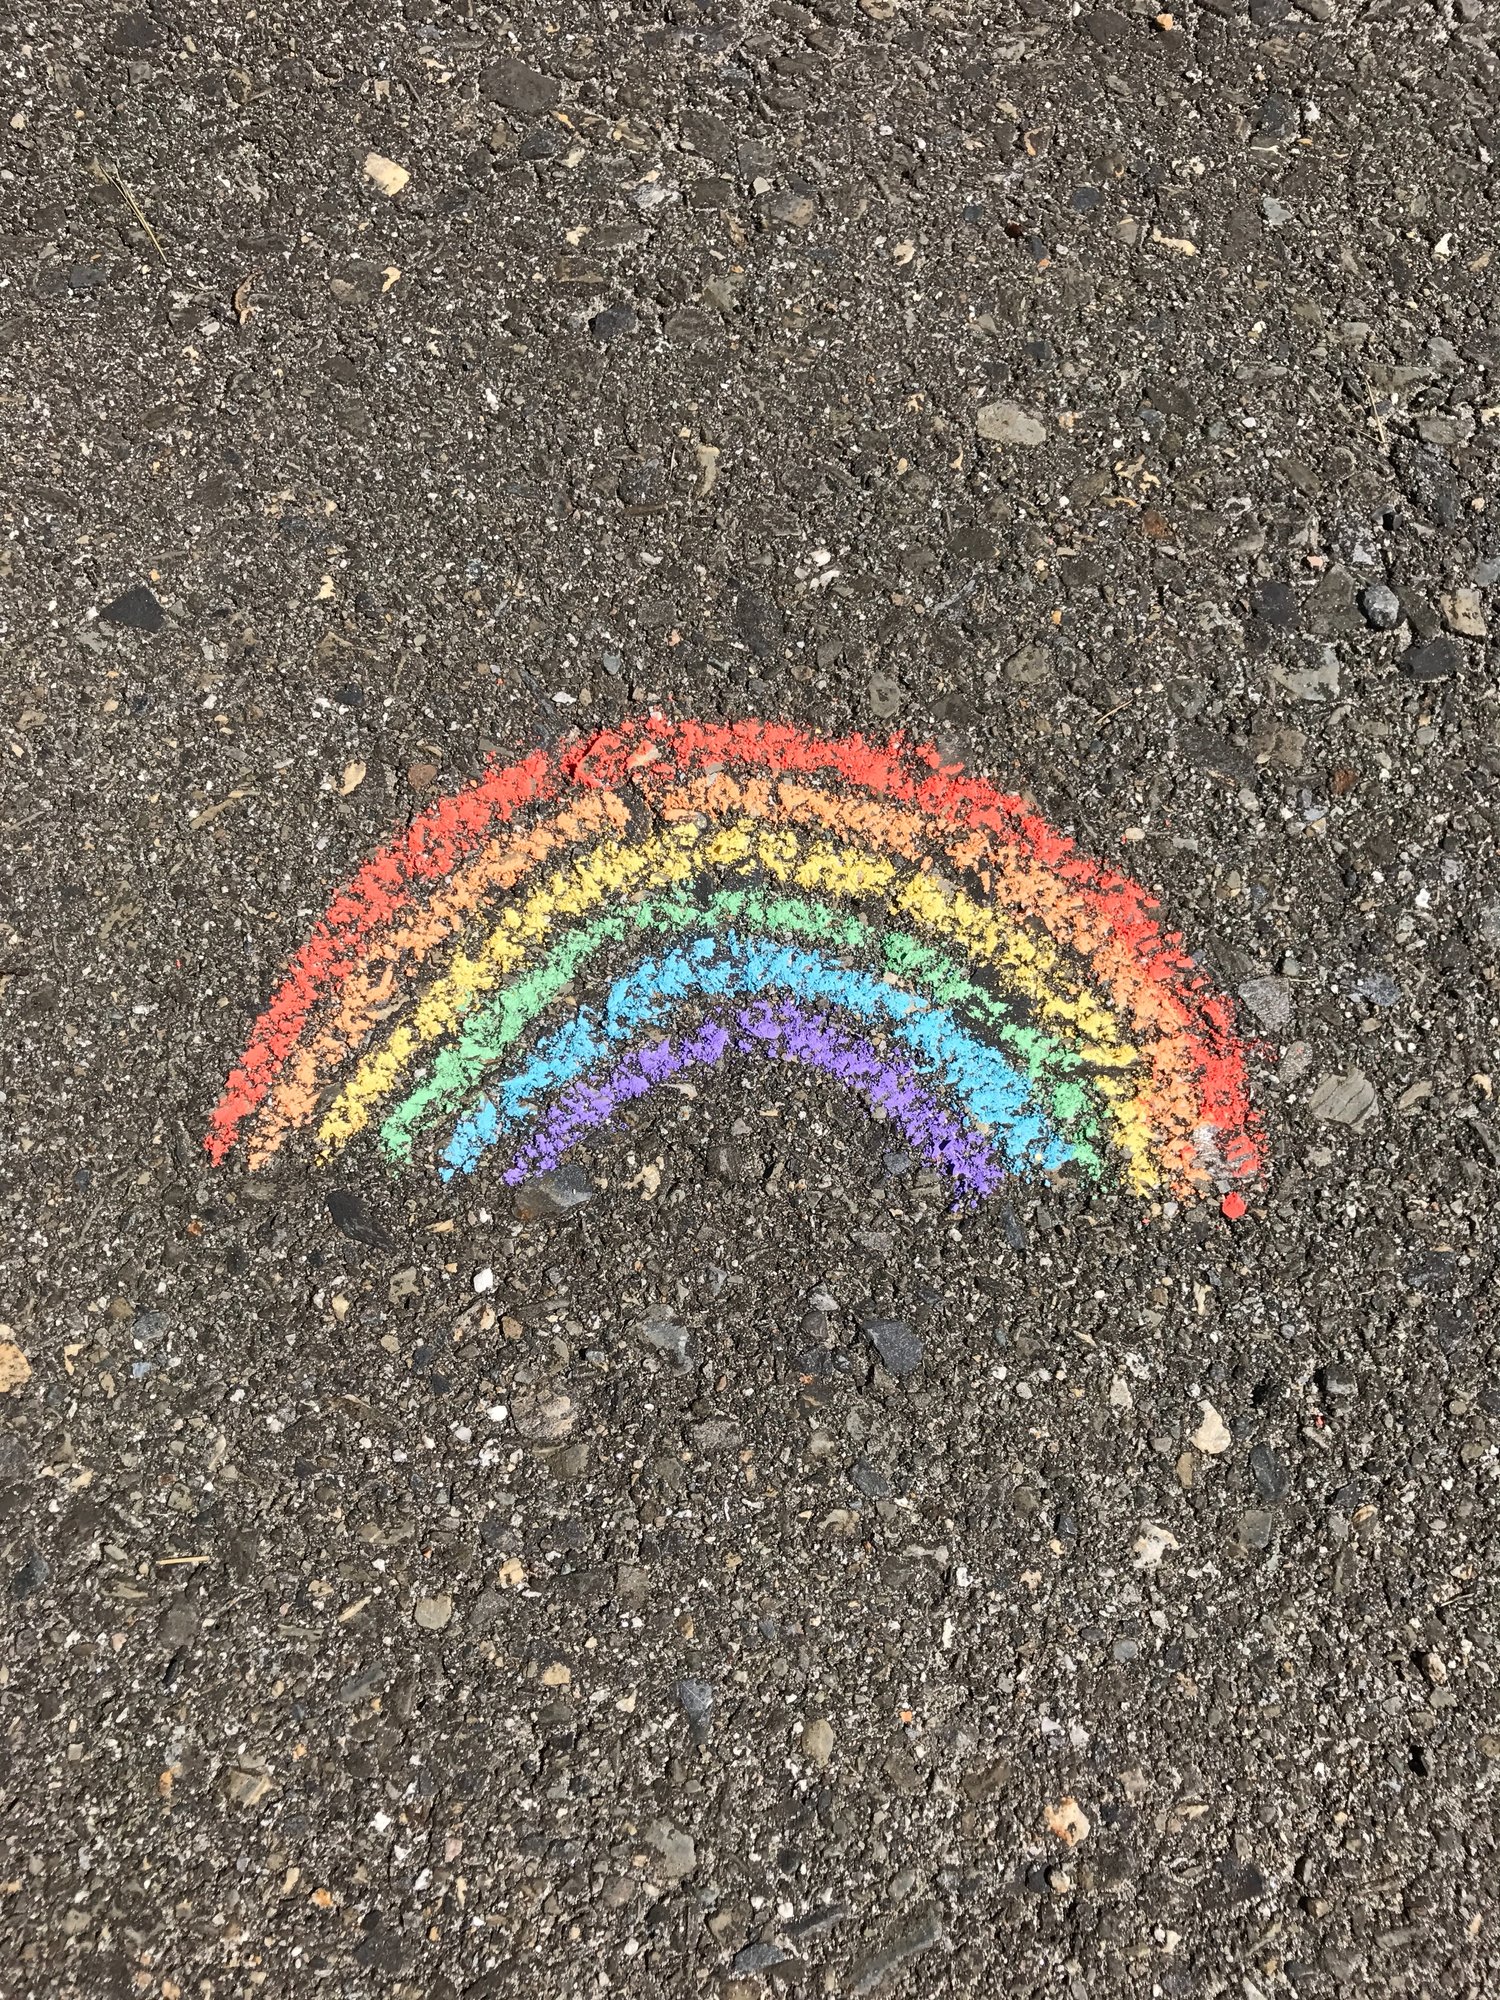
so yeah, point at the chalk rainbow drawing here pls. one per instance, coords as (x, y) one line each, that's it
(868, 911)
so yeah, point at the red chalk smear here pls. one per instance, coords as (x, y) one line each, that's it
(1234, 1206)
(431, 848)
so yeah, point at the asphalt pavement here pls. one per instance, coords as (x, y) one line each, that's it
(738, 1563)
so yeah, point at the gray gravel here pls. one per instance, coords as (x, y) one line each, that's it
(767, 1583)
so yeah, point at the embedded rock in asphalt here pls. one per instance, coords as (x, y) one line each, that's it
(1381, 606)
(138, 608)
(553, 1195)
(1005, 423)
(897, 1345)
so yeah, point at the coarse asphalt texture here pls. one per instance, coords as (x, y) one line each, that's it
(753, 1578)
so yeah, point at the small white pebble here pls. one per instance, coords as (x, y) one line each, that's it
(484, 1280)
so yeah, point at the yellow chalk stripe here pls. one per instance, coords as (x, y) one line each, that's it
(608, 871)
(1012, 880)
(364, 996)
(1030, 966)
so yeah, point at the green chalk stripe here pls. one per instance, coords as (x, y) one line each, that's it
(1059, 1075)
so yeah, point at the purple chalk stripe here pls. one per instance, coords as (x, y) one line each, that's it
(781, 1031)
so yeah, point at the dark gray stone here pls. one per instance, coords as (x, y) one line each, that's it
(1277, 605)
(613, 323)
(516, 87)
(138, 609)
(899, 1348)
(1381, 606)
(1269, 1472)
(1435, 661)
(551, 1196)
(760, 1958)
(696, 1700)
